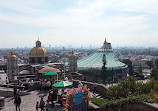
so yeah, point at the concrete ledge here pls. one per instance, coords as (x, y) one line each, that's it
(152, 105)
(94, 107)
(7, 94)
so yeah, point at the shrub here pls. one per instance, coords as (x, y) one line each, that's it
(98, 101)
(104, 103)
(130, 86)
(123, 89)
(156, 87)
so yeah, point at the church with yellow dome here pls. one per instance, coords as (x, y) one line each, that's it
(38, 54)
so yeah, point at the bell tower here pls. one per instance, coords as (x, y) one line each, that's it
(54, 58)
(12, 66)
(72, 62)
(38, 43)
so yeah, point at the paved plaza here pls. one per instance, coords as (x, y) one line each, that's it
(29, 102)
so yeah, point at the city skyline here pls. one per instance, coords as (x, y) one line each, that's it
(78, 23)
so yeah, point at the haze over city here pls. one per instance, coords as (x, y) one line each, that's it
(78, 23)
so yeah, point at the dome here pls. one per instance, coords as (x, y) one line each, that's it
(54, 55)
(38, 51)
(12, 56)
(72, 54)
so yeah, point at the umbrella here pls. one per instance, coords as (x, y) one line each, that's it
(51, 74)
(62, 84)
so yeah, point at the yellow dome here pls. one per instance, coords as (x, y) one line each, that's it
(54, 55)
(38, 51)
(72, 54)
(12, 56)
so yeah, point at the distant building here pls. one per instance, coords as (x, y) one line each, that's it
(38, 54)
(113, 65)
(54, 58)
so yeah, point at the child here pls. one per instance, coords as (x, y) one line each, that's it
(37, 105)
(47, 105)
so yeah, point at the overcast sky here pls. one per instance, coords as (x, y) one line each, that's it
(78, 22)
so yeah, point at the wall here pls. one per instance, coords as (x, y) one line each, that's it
(131, 107)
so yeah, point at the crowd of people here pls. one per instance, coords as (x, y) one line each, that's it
(44, 85)
(52, 97)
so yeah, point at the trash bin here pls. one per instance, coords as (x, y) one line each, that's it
(2, 101)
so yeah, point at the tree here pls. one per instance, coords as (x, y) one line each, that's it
(150, 64)
(156, 62)
(154, 73)
(129, 63)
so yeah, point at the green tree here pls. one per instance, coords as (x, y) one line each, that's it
(154, 73)
(150, 64)
(156, 62)
(129, 63)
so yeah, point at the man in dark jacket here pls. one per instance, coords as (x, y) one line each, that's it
(52, 97)
(14, 90)
(17, 102)
(42, 104)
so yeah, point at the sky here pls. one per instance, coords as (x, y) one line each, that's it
(78, 23)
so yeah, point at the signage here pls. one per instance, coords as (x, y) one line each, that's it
(78, 98)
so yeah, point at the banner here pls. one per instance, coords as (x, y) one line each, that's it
(78, 98)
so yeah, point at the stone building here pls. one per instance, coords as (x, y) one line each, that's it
(72, 62)
(38, 54)
(12, 66)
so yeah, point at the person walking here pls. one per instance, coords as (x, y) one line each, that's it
(6, 80)
(27, 83)
(95, 88)
(66, 78)
(0, 80)
(80, 84)
(17, 102)
(52, 97)
(42, 103)
(14, 90)
(47, 105)
(32, 84)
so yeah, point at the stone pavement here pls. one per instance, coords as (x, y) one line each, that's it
(29, 102)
